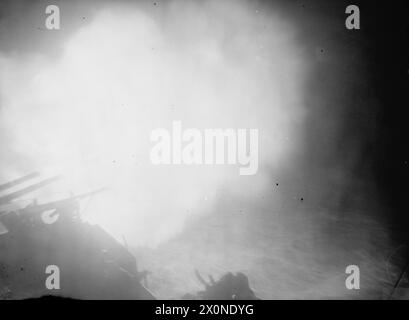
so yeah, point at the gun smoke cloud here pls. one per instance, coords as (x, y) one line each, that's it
(101, 101)
(89, 111)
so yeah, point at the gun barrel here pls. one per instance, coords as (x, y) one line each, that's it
(16, 182)
(90, 193)
(11, 196)
(55, 204)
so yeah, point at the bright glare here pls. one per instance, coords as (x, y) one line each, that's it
(90, 111)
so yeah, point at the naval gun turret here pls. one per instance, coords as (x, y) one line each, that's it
(8, 209)
(8, 198)
(93, 265)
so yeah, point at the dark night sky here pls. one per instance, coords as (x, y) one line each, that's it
(370, 97)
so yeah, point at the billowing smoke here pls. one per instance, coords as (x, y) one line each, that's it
(86, 108)
(88, 112)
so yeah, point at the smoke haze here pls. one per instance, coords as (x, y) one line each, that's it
(90, 110)
(84, 104)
